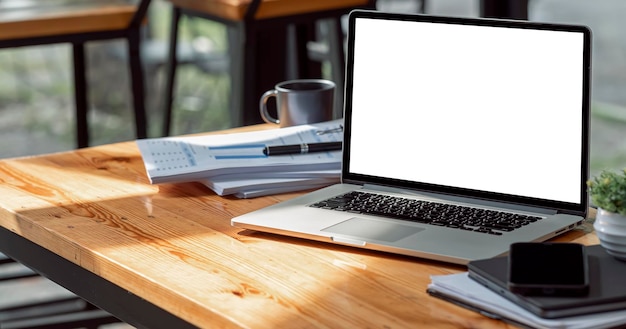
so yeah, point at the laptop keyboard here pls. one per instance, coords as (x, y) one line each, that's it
(434, 213)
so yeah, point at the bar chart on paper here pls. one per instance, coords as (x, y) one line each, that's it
(236, 164)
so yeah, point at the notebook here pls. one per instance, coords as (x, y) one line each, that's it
(606, 289)
(489, 115)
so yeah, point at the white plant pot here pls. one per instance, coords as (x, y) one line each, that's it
(611, 231)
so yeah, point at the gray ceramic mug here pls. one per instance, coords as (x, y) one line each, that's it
(300, 102)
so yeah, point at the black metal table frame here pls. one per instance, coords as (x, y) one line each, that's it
(102, 293)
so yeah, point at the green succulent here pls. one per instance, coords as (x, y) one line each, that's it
(608, 191)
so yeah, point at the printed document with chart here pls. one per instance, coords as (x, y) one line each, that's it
(235, 163)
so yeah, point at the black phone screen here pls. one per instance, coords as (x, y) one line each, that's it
(548, 269)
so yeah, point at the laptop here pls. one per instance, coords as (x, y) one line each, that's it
(461, 136)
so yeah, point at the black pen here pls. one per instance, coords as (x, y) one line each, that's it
(302, 148)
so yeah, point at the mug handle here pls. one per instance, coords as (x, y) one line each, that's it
(263, 107)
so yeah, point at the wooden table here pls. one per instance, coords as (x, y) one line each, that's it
(166, 256)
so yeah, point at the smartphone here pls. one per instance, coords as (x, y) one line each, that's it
(548, 269)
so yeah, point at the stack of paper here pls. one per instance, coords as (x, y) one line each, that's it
(461, 290)
(235, 163)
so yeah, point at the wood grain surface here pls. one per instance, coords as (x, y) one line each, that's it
(173, 245)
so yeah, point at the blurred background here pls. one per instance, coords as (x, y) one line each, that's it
(37, 109)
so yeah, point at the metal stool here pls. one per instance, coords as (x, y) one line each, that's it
(77, 22)
(257, 45)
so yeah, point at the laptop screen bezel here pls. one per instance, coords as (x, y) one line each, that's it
(559, 206)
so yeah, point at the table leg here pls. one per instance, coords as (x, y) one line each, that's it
(515, 9)
(124, 305)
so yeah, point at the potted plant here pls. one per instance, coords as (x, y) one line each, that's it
(608, 193)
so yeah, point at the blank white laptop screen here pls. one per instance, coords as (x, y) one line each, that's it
(494, 109)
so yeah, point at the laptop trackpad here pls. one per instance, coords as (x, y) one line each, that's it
(373, 230)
